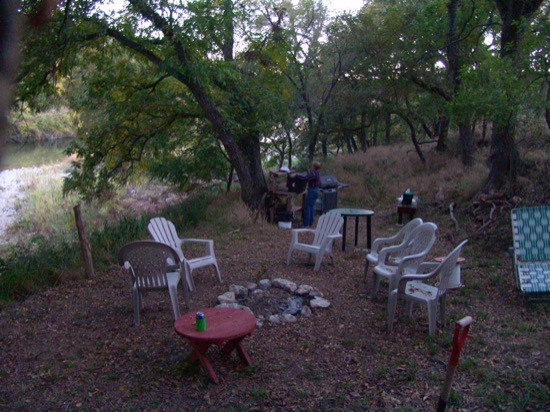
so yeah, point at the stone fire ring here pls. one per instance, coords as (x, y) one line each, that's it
(311, 299)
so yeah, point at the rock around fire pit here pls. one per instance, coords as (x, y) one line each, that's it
(277, 301)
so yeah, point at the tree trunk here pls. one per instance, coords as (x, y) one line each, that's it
(503, 160)
(503, 157)
(388, 127)
(363, 132)
(442, 133)
(466, 143)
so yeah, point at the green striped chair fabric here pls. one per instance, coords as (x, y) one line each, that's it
(531, 233)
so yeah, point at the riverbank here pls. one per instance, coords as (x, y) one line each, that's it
(15, 185)
(18, 185)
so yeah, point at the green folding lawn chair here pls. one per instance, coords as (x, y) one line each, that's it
(531, 234)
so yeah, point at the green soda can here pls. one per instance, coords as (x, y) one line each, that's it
(200, 322)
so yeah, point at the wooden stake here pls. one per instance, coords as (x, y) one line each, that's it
(84, 244)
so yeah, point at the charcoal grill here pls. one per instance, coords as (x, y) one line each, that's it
(328, 198)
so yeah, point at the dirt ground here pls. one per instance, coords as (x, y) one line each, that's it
(74, 347)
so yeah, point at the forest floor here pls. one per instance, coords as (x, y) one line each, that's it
(75, 347)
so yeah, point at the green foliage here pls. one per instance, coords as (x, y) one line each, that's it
(50, 125)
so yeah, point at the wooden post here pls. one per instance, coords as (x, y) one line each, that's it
(84, 244)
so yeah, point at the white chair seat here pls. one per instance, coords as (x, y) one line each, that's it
(164, 231)
(327, 230)
(382, 242)
(407, 256)
(151, 266)
(412, 289)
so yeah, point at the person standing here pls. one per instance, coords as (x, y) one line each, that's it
(313, 179)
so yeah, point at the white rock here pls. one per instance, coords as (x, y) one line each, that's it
(257, 294)
(235, 306)
(250, 286)
(319, 302)
(285, 284)
(306, 312)
(315, 293)
(238, 290)
(227, 297)
(264, 284)
(304, 290)
(287, 317)
(275, 319)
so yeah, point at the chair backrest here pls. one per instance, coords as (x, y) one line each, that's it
(328, 224)
(445, 269)
(531, 233)
(164, 231)
(419, 241)
(148, 262)
(405, 231)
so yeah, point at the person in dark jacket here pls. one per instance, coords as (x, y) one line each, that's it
(313, 188)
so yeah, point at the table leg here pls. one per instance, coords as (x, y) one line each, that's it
(344, 233)
(199, 350)
(356, 229)
(237, 344)
(369, 233)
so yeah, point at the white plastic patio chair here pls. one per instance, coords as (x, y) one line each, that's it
(164, 231)
(327, 230)
(411, 289)
(153, 266)
(382, 242)
(412, 252)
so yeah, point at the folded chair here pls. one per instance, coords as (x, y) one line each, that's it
(164, 231)
(153, 266)
(531, 235)
(412, 252)
(412, 289)
(382, 242)
(327, 230)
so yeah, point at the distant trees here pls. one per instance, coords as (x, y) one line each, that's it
(191, 90)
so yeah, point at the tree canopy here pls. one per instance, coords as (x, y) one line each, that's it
(189, 91)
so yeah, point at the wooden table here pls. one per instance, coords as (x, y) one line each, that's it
(224, 327)
(357, 213)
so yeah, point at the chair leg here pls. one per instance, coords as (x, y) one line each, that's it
(136, 303)
(189, 278)
(375, 284)
(442, 308)
(318, 260)
(173, 290)
(409, 308)
(367, 263)
(218, 272)
(289, 255)
(392, 303)
(432, 316)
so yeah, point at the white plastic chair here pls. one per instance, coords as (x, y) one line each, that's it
(327, 230)
(382, 242)
(153, 266)
(412, 289)
(164, 231)
(412, 252)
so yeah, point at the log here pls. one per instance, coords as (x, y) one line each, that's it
(84, 244)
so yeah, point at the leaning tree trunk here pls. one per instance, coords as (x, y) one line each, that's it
(503, 157)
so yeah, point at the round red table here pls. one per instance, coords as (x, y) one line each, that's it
(224, 327)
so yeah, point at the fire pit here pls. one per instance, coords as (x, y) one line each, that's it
(276, 301)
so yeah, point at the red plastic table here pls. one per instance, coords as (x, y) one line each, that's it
(224, 327)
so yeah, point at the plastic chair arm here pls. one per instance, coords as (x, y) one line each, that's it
(209, 244)
(383, 254)
(381, 241)
(405, 259)
(427, 266)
